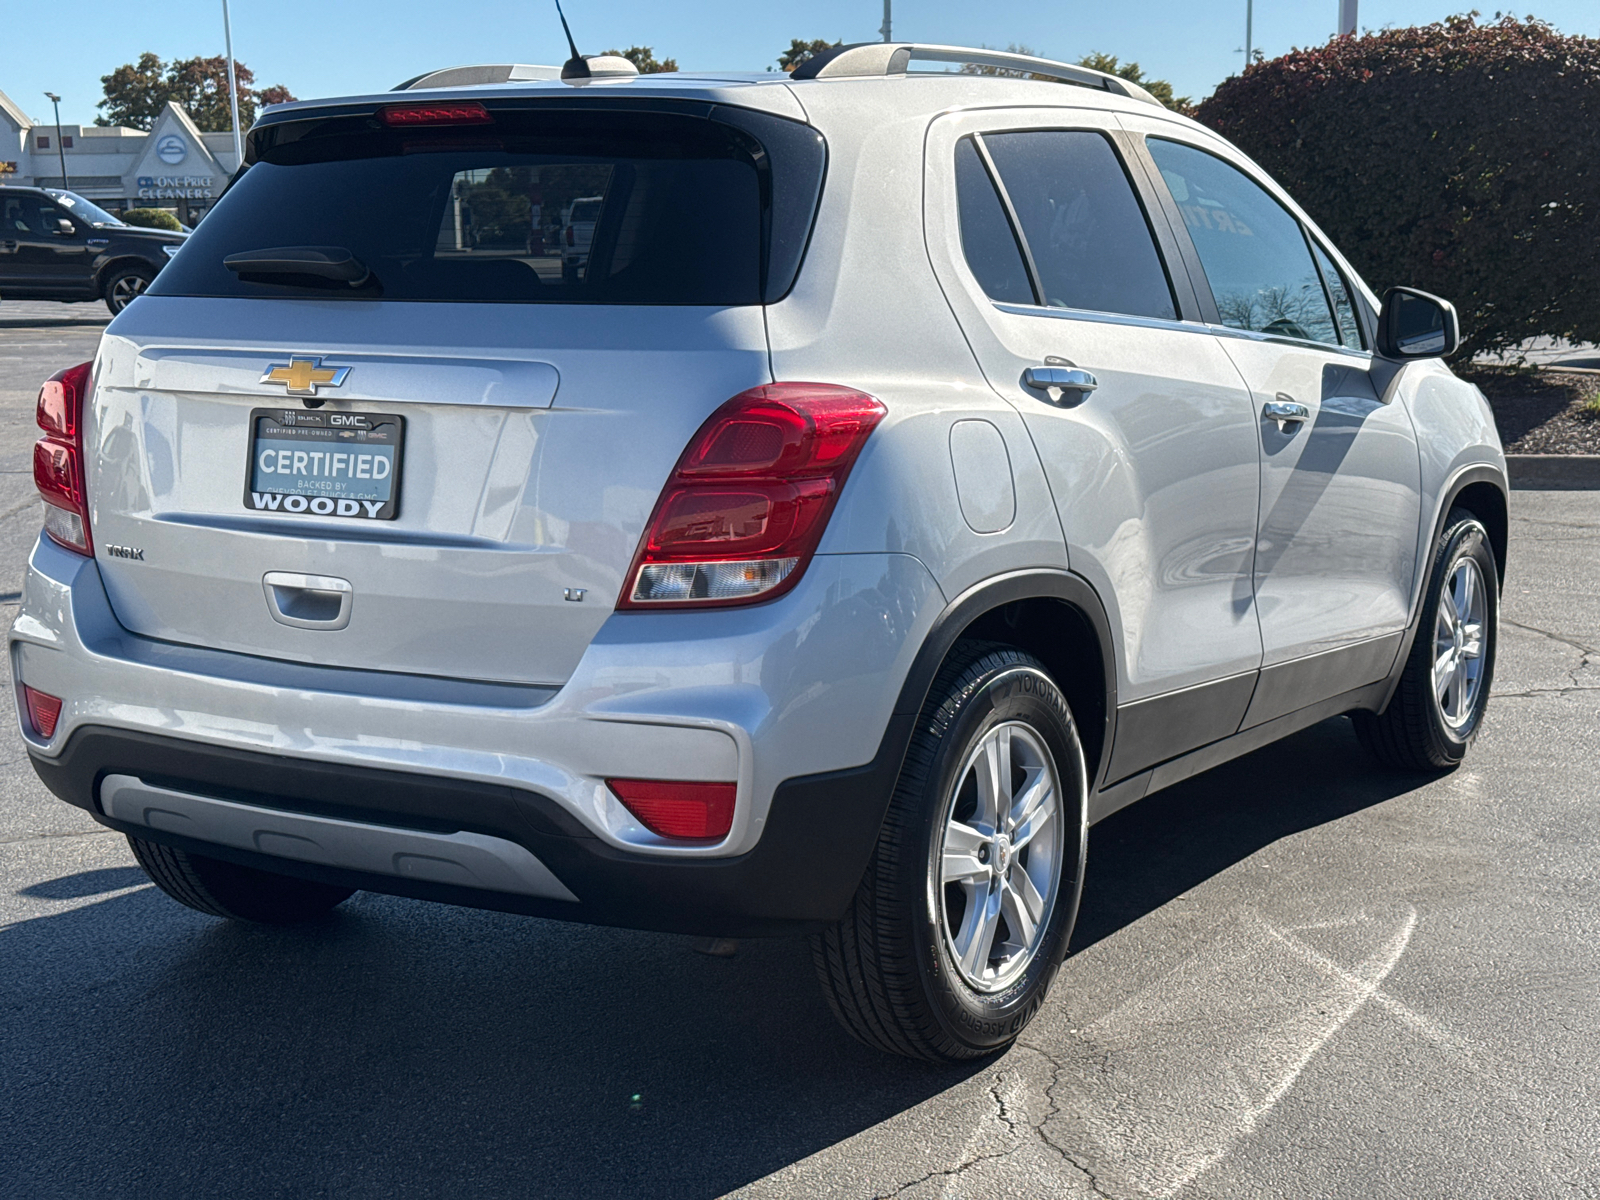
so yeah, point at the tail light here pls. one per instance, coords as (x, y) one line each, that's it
(691, 811)
(44, 710)
(750, 497)
(58, 458)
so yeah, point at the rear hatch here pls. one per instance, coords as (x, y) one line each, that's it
(465, 489)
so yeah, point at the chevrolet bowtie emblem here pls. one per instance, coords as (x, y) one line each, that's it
(302, 376)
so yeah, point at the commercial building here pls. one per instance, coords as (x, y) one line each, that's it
(173, 166)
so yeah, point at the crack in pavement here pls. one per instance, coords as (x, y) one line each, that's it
(1584, 652)
(1002, 1112)
(1042, 1129)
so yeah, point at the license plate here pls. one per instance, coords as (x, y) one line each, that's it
(324, 464)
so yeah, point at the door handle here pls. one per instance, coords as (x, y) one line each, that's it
(308, 601)
(1285, 413)
(1072, 380)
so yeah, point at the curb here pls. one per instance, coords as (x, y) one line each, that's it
(1554, 472)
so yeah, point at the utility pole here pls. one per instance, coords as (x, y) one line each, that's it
(1347, 17)
(233, 88)
(886, 24)
(66, 184)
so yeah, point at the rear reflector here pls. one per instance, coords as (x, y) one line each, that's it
(44, 711)
(411, 115)
(691, 811)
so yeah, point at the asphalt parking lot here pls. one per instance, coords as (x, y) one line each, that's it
(1294, 976)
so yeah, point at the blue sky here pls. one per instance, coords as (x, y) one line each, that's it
(332, 47)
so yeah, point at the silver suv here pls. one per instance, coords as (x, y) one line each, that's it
(923, 465)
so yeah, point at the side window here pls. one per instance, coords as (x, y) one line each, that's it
(1082, 223)
(1254, 252)
(986, 237)
(1344, 309)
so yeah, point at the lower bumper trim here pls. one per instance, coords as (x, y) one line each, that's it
(462, 859)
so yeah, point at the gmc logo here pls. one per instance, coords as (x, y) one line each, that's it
(348, 419)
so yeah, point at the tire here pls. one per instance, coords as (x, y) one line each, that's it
(225, 889)
(124, 285)
(1420, 731)
(892, 969)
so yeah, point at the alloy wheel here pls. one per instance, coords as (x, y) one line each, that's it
(1000, 856)
(125, 290)
(1458, 644)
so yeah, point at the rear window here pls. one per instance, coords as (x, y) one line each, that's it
(541, 206)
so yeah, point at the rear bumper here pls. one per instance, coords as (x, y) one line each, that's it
(791, 700)
(800, 875)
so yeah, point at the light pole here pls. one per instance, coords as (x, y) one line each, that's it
(1347, 16)
(233, 88)
(60, 149)
(1249, 24)
(885, 29)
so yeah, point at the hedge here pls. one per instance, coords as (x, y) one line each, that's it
(1461, 158)
(153, 218)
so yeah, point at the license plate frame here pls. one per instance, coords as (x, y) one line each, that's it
(311, 438)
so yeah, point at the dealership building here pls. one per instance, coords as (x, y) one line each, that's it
(173, 166)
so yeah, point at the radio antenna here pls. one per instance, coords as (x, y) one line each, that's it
(575, 67)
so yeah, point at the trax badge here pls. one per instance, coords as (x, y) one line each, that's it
(302, 376)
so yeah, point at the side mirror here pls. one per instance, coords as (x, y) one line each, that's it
(1414, 324)
(65, 228)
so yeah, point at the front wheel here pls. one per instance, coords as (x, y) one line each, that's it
(1437, 709)
(125, 285)
(965, 912)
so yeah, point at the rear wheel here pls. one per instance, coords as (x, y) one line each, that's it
(966, 909)
(225, 889)
(1438, 707)
(125, 285)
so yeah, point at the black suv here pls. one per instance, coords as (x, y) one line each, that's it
(55, 245)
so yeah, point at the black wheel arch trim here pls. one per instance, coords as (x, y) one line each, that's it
(1459, 482)
(997, 592)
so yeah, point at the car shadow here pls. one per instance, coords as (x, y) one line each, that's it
(400, 1048)
(1168, 843)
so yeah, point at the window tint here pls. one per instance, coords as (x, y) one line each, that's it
(986, 236)
(538, 207)
(1343, 308)
(1254, 252)
(16, 213)
(1082, 222)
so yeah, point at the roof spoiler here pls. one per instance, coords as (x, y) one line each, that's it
(601, 66)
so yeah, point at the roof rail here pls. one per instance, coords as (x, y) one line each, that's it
(471, 76)
(867, 59)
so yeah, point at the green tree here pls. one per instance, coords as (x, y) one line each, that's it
(1134, 73)
(1107, 63)
(137, 92)
(644, 57)
(799, 51)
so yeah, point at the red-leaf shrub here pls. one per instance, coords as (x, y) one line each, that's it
(1460, 158)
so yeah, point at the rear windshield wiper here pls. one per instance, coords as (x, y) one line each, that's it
(302, 266)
